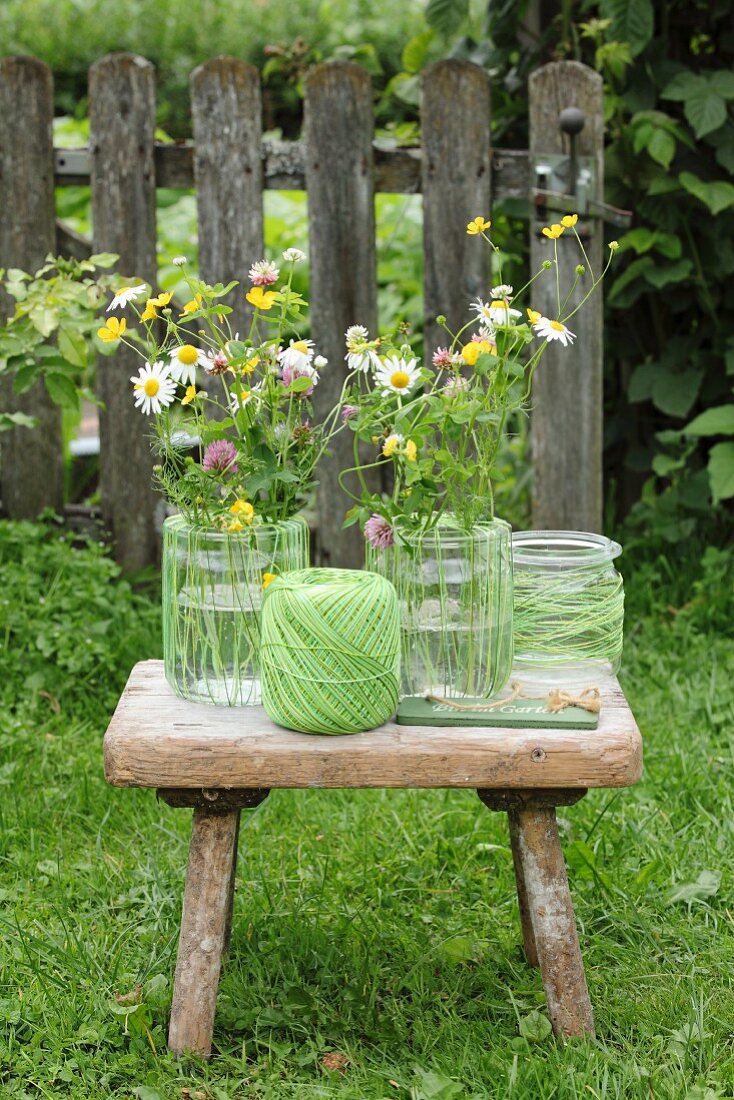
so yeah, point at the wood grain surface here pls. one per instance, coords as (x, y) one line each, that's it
(27, 235)
(156, 739)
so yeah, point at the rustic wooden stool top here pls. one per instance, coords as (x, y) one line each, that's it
(218, 760)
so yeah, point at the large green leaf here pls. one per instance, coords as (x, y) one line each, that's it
(721, 471)
(62, 391)
(716, 421)
(632, 21)
(674, 393)
(661, 147)
(16, 420)
(705, 110)
(446, 16)
(717, 195)
(415, 51)
(684, 85)
(722, 83)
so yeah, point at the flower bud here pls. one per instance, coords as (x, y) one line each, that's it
(614, 245)
(440, 320)
(580, 269)
(547, 264)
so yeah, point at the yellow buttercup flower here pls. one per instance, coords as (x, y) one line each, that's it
(244, 509)
(161, 301)
(114, 328)
(478, 225)
(554, 231)
(268, 578)
(194, 304)
(411, 451)
(471, 352)
(251, 364)
(260, 299)
(191, 393)
(391, 444)
(533, 316)
(149, 313)
(235, 525)
(569, 220)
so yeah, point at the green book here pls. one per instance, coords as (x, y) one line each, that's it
(415, 710)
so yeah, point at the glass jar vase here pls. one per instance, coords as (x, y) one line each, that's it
(212, 596)
(455, 594)
(569, 608)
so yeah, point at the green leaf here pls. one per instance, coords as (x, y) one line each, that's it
(721, 471)
(16, 420)
(446, 16)
(415, 51)
(435, 1086)
(722, 83)
(716, 421)
(44, 319)
(535, 1027)
(661, 147)
(104, 259)
(705, 886)
(143, 1092)
(674, 392)
(705, 110)
(628, 276)
(73, 346)
(62, 391)
(684, 85)
(672, 273)
(632, 21)
(641, 382)
(717, 195)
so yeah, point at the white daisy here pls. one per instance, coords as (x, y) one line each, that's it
(184, 360)
(361, 359)
(554, 330)
(397, 375)
(241, 397)
(294, 256)
(502, 291)
(126, 294)
(299, 353)
(495, 312)
(153, 387)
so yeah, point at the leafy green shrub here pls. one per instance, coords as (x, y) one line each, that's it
(72, 628)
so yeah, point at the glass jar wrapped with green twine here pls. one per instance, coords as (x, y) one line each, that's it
(568, 607)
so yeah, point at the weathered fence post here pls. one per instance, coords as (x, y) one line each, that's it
(566, 425)
(455, 121)
(31, 462)
(227, 116)
(341, 213)
(122, 113)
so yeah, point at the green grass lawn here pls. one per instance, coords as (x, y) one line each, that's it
(377, 925)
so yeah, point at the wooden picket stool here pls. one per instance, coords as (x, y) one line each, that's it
(217, 760)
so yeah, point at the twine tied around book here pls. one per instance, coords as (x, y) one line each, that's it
(556, 700)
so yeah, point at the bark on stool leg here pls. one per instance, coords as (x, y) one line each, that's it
(528, 936)
(206, 907)
(553, 921)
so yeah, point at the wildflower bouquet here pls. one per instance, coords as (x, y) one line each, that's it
(439, 428)
(244, 399)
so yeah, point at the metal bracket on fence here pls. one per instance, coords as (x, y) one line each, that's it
(72, 162)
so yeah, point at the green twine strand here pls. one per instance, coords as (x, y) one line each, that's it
(330, 651)
(574, 614)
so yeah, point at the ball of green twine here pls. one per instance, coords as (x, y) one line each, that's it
(330, 650)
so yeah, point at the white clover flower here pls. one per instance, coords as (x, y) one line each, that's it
(179, 261)
(183, 362)
(126, 294)
(356, 335)
(554, 330)
(263, 273)
(495, 312)
(397, 375)
(320, 361)
(502, 291)
(153, 387)
(294, 256)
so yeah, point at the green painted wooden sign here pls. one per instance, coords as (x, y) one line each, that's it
(416, 710)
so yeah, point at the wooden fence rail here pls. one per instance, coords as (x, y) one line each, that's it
(341, 167)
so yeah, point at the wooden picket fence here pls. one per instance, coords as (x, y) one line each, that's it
(456, 170)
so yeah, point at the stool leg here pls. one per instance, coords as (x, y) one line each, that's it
(204, 932)
(230, 900)
(528, 936)
(553, 921)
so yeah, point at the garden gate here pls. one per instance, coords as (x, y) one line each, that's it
(456, 171)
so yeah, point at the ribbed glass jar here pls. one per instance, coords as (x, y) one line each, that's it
(455, 594)
(569, 607)
(212, 596)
